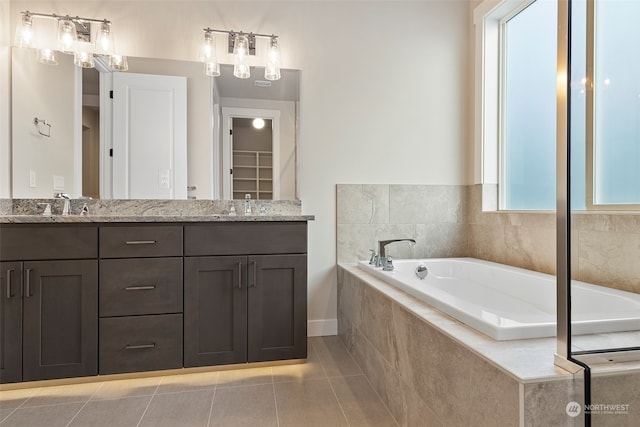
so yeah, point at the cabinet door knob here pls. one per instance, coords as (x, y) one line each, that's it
(9, 271)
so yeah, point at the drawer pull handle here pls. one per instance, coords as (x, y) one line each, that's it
(139, 346)
(239, 275)
(140, 288)
(140, 242)
(27, 284)
(9, 271)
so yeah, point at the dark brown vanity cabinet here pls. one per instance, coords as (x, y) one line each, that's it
(245, 308)
(49, 302)
(140, 298)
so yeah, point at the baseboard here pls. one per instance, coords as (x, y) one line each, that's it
(320, 328)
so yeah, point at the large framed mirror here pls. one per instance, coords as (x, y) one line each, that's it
(103, 141)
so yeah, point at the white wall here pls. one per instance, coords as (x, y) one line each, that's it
(5, 100)
(383, 95)
(48, 93)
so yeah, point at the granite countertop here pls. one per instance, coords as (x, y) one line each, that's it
(29, 211)
(62, 219)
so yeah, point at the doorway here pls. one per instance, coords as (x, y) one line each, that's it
(250, 153)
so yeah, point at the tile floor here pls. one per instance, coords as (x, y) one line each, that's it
(327, 391)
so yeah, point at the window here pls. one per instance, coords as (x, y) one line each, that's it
(616, 112)
(518, 103)
(528, 108)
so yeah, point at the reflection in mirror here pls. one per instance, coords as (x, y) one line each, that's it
(77, 159)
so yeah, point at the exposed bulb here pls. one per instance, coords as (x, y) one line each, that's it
(104, 39)
(67, 36)
(24, 32)
(272, 68)
(240, 51)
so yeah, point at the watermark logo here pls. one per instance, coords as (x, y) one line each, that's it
(573, 409)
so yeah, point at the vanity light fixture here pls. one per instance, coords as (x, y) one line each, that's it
(74, 36)
(241, 45)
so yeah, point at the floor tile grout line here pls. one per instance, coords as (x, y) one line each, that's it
(344, 414)
(213, 398)
(149, 402)
(275, 402)
(319, 358)
(85, 404)
(370, 384)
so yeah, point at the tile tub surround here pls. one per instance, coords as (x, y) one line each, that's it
(433, 215)
(427, 366)
(449, 221)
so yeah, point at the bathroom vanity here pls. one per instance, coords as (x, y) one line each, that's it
(93, 295)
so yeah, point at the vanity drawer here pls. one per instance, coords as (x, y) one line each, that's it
(254, 238)
(48, 242)
(140, 241)
(140, 286)
(140, 343)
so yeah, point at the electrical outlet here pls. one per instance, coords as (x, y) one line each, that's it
(164, 178)
(32, 179)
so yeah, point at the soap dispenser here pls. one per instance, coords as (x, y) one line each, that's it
(247, 204)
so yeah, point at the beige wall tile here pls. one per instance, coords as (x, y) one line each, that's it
(362, 204)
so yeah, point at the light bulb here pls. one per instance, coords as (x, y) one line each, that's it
(104, 39)
(258, 123)
(67, 35)
(208, 48)
(240, 51)
(272, 68)
(24, 32)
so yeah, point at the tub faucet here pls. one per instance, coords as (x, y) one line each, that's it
(382, 258)
(67, 207)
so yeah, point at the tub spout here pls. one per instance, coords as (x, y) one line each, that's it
(382, 258)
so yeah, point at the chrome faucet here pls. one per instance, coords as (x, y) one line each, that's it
(67, 202)
(382, 258)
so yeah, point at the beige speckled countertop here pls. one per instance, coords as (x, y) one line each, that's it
(29, 211)
(40, 219)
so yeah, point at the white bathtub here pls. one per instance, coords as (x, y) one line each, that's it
(509, 303)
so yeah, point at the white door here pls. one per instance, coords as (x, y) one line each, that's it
(149, 136)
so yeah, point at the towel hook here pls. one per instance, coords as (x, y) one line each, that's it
(37, 122)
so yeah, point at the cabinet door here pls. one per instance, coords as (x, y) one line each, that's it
(215, 310)
(277, 308)
(10, 322)
(60, 319)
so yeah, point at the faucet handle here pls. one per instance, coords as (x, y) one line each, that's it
(374, 257)
(388, 266)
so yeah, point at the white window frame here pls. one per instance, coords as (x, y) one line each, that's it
(489, 18)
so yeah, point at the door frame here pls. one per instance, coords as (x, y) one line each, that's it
(230, 113)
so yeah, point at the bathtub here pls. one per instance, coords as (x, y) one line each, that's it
(509, 303)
